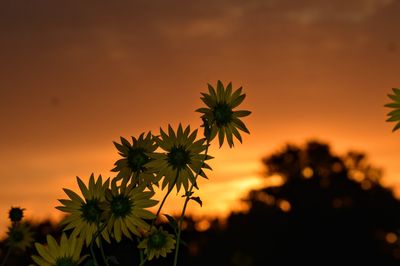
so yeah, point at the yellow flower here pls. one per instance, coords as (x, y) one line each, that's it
(395, 114)
(135, 157)
(66, 254)
(182, 160)
(220, 116)
(85, 214)
(157, 243)
(20, 236)
(125, 210)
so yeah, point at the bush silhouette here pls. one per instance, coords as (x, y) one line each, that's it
(329, 210)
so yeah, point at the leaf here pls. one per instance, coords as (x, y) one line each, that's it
(393, 118)
(392, 105)
(241, 113)
(198, 200)
(172, 222)
(396, 91)
(125, 142)
(396, 127)
(394, 112)
(119, 147)
(237, 101)
(239, 124)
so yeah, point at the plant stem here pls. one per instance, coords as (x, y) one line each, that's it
(143, 262)
(102, 253)
(6, 256)
(178, 236)
(96, 235)
(164, 199)
(93, 255)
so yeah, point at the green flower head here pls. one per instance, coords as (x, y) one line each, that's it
(157, 243)
(182, 157)
(219, 116)
(85, 214)
(135, 157)
(20, 236)
(126, 209)
(394, 116)
(67, 253)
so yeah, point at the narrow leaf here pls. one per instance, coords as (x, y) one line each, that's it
(198, 200)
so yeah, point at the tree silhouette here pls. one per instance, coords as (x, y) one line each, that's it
(329, 209)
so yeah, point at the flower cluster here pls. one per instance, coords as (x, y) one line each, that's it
(120, 207)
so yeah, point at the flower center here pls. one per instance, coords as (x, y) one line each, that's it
(16, 214)
(157, 240)
(223, 114)
(137, 159)
(121, 206)
(65, 261)
(178, 157)
(91, 211)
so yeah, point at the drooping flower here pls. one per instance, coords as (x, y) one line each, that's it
(135, 157)
(182, 158)
(394, 116)
(125, 209)
(86, 214)
(16, 214)
(19, 236)
(157, 243)
(67, 253)
(219, 115)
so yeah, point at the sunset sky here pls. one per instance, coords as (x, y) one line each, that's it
(77, 75)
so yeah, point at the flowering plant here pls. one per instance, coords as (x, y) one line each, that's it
(118, 207)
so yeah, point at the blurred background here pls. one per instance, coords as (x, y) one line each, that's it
(75, 76)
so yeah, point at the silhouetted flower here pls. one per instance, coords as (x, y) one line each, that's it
(135, 157)
(67, 253)
(20, 236)
(85, 214)
(157, 243)
(125, 210)
(182, 159)
(16, 214)
(220, 116)
(395, 114)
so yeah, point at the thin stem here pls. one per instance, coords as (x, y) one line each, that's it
(140, 253)
(93, 255)
(96, 235)
(164, 199)
(99, 231)
(6, 256)
(143, 262)
(188, 194)
(103, 255)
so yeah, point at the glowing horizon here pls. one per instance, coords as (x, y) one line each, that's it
(69, 87)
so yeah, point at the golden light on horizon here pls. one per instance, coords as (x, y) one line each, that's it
(391, 238)
(308, 172)
(309, 72)
(284, 205)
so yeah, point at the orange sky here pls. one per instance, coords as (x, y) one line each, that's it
(76, 75)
